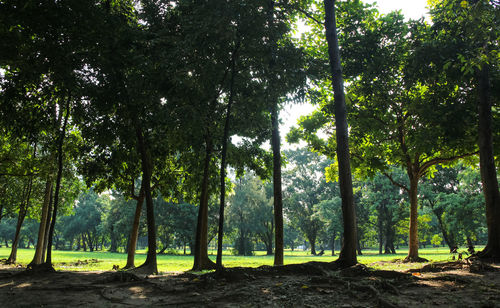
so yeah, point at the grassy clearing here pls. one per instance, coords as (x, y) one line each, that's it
(68, 260)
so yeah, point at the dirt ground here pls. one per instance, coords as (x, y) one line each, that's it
(312, 284)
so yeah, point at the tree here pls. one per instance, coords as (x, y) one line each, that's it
(385, 200)
(250, 215)
(305, 188)
(330, 213)
(395, 117)
(339, 112)
(468, 40)
(454, 196)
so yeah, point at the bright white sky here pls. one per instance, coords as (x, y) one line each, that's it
(411, 9)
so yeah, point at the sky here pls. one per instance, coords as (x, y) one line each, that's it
(411, 9)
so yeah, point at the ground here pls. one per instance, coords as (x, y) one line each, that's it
(315, 284)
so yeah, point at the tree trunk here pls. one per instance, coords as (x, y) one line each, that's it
(150, 265)
(348, 253)
(358, 246)
(84, 243)
(201, 260)
(449, 238)
(278, 194)
(269, 248)
(488, 170)
(113, 245)
(40, 244)
(60, 157)
(90, 241)
(380, 231)
(389, 238)
(413, 236)
(312, 242)
(333, 243)
(47, 225)
(134, 232)
(275, 145)
(220, 233)
(23, 210)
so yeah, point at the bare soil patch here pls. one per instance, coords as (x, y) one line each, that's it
(314, 284)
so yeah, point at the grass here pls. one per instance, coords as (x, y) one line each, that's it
(68, 260)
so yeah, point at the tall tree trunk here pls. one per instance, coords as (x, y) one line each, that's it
(488, 170)
(275, 144)
(220, 234)
(278, 194)
(413, 236)
(348, 253)
(134, 232)
(40, 244)
(150, 266)
(60, 158)
(47, 225)
(201, 260)
(23, 210)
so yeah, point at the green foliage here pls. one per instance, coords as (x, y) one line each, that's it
(250, 216)
(436, 240)
(308, 198)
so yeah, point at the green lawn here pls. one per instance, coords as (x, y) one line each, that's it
(67, 260)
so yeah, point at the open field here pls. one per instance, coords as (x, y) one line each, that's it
(99, 261)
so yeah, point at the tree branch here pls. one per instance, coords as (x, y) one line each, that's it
(299, 9)
(440, 160)
(387, 175)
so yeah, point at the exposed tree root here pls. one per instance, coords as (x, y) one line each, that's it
(488, 255)
(9, 262)
(313, 268)
(417, 259)
(206, 264)
(120, 277)
(40, 268)
(145, 269)
(440, 267)
(128, 267)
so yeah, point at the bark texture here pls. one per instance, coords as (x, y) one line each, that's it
(348, 253)
(225, 137)
(60, 162)
(40, 244)
(278, 193)
(488, 170)
(134, 232)
(150, 265)
(23, 210)
(201, 260)
(275, 145)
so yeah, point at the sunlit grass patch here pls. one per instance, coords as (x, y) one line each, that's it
(104, 261)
